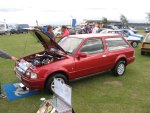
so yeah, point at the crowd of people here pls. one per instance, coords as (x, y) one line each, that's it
(85, 29)
(49, 31)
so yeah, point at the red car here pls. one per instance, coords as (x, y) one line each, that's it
(73, 57)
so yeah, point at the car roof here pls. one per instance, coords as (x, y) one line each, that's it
(145, 39)
(94, 35)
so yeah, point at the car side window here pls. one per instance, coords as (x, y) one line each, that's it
(92, 46)
(115, 43)
(148, 38)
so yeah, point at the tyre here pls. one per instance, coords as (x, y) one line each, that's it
(119, 68)
(7, 33)
(134, 44)
(142, 53)
(50, 82)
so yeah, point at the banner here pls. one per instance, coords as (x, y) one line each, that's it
(74, 21)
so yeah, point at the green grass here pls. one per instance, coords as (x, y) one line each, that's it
(102, 93)
(142, 32)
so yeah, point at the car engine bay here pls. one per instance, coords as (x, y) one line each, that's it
(43, 59)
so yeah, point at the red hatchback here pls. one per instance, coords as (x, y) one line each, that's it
(73, 57)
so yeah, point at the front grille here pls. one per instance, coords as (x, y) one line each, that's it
(18, 73)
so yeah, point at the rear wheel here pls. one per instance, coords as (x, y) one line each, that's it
(50, 82)
(134, 44)
(119, 68)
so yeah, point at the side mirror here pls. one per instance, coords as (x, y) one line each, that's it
(82, 55)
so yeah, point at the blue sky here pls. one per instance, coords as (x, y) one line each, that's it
(61, 11)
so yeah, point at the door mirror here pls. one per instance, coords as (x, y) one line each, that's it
(82, 55)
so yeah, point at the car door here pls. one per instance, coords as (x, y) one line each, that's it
(93, 61)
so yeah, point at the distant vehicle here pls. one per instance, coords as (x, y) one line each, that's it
(147, 30)
(4, 28)
(133, 29)
(74, 57)
(19, 28)
(146, 45)
(131, 33)
(133, 40)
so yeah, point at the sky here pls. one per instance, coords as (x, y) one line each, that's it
(62, 11)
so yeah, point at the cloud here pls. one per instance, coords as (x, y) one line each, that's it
(10, 9)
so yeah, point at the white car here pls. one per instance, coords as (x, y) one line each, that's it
(133, 40)
(57, 31)
(133, 29)
(4, 28)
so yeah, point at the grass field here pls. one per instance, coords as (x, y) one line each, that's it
(102, 93)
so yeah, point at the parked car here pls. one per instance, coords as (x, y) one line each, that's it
(131, 33)
(13, 29)
(147, 30)
(146, 45)
(4, 28)
(134, 41)
(133, 29)
(75, 56)
(19, 28)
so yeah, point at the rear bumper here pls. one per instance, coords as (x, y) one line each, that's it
(145, 49)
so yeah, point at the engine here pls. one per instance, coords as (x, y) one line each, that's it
(43, 59)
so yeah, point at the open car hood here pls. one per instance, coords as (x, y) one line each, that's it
(45, 40)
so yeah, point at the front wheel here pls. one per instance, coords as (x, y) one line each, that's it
(119, 68)
(7, 33)
(134, 44)
(50, 82)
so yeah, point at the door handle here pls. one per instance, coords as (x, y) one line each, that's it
(104, 56)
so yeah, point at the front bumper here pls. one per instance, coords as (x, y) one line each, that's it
(30, 83)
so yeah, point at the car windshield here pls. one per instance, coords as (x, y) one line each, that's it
(2, 25)
(70, 44)
(131, 32)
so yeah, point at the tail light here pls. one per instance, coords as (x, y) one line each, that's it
(143, 45)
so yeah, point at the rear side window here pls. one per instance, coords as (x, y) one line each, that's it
(148, 39)
(92, 46)
(115, 43)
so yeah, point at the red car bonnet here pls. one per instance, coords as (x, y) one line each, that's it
(45, 40)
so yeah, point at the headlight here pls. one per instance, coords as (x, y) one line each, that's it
(33, 75)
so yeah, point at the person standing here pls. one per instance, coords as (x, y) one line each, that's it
(96, 29)
(6, 56)
(64, 32)
(50, 32)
